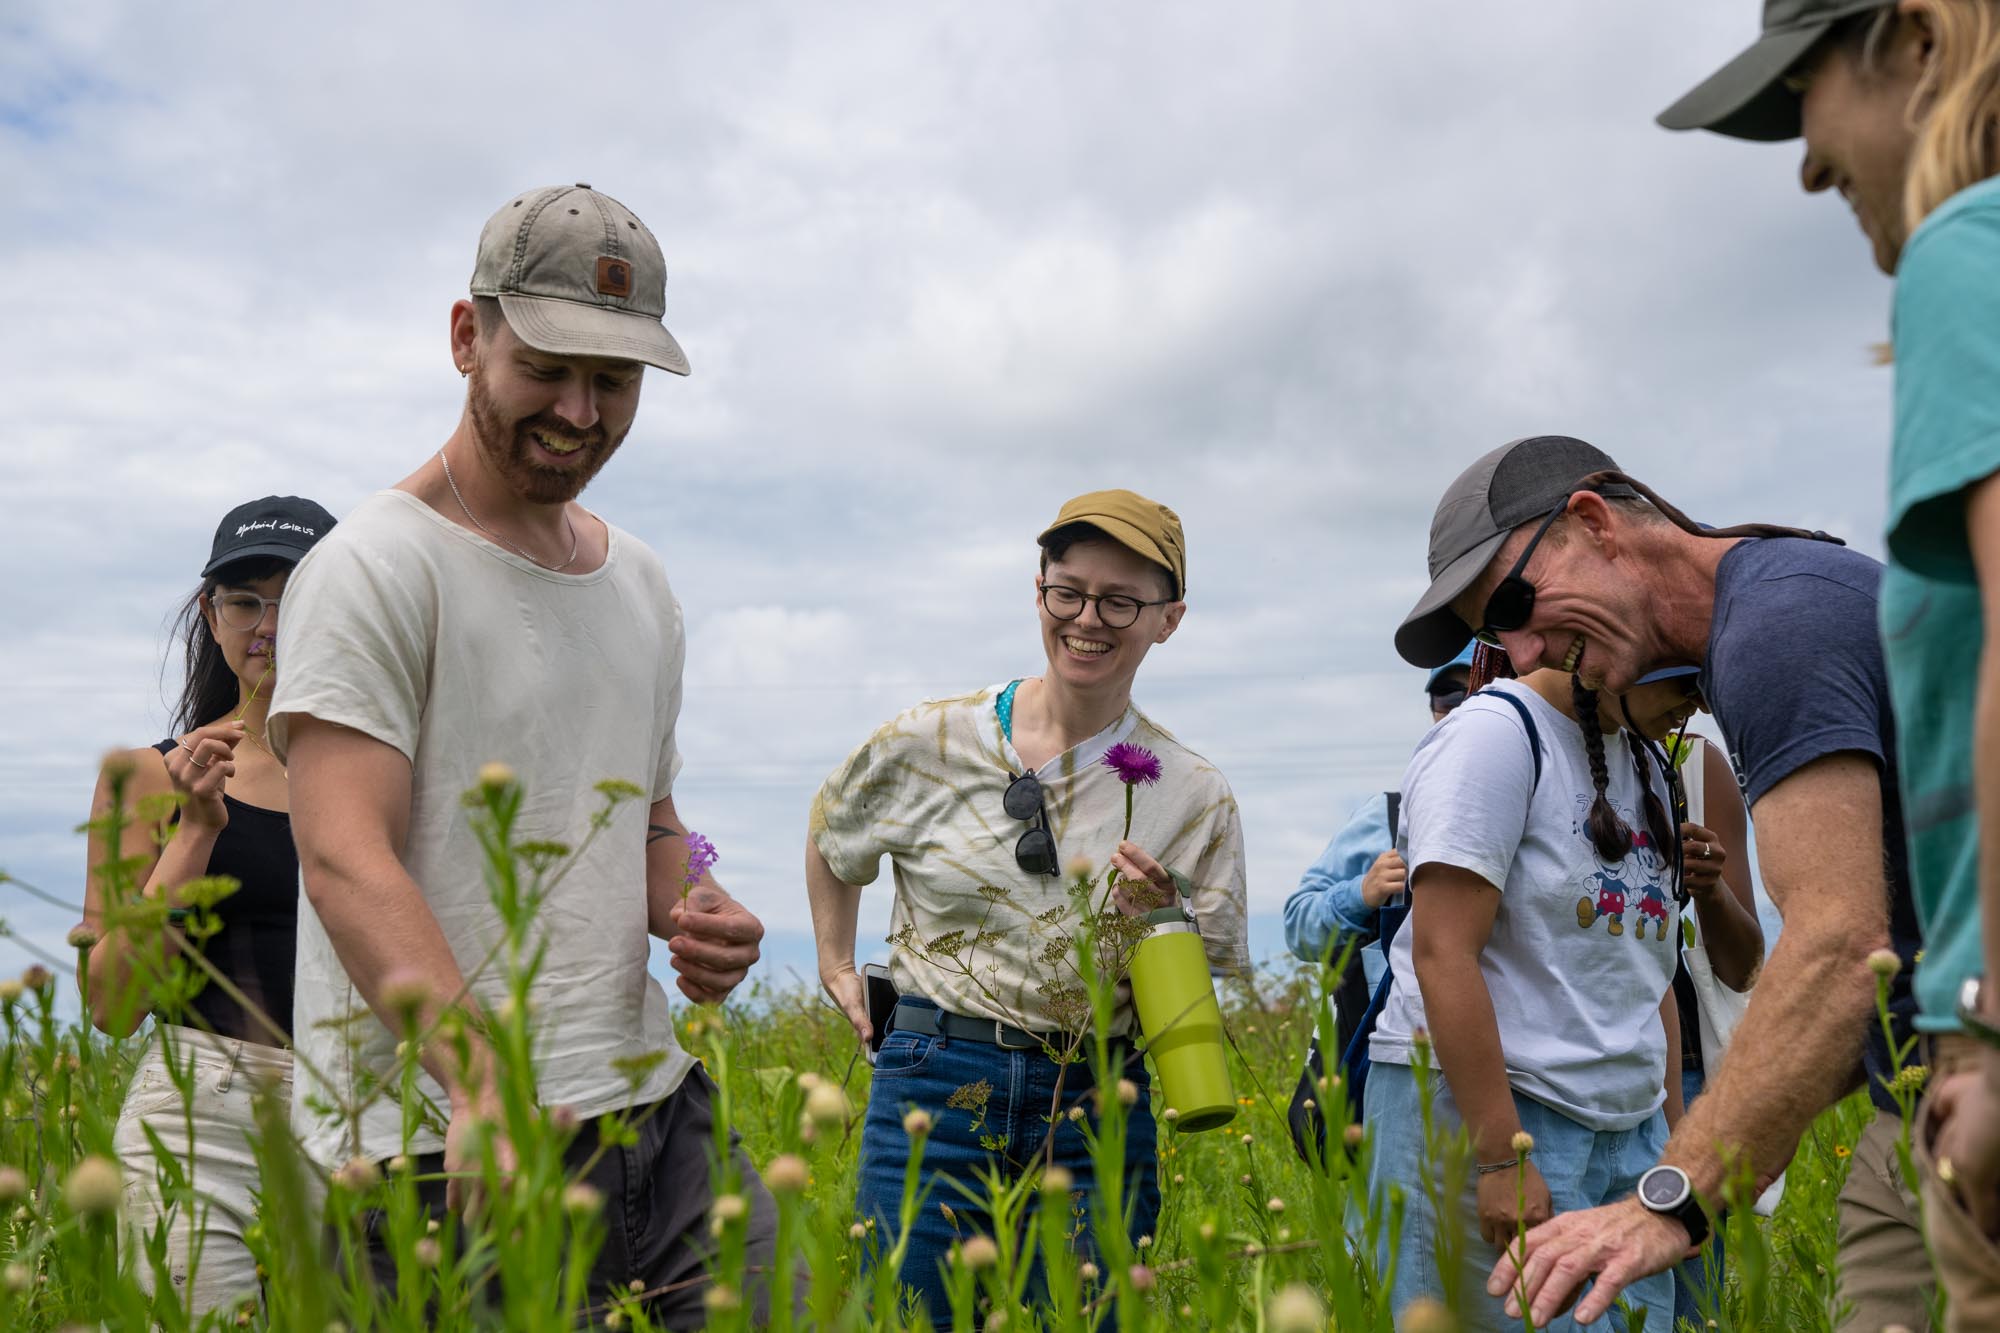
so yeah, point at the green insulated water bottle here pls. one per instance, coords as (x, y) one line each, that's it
(1182, 1022)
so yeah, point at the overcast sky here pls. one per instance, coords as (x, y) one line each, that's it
(1286, 267)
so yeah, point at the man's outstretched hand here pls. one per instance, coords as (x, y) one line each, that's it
(714, 943)
(1618, 1243)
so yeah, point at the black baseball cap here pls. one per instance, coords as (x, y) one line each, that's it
(1521, 481)
(281, 527)
(1747, 98)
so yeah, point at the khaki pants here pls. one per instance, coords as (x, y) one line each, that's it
(1885, 1271)
(206, 1255)
(1967, 1259)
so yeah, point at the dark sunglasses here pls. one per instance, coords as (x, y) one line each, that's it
(1513, 602)
(1446, 699)
(1036, 850)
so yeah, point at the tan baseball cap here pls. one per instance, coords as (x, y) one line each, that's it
(1145, 527)
(577, 274)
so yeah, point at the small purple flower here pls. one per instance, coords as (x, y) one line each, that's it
(1132, 763)
(701, 855)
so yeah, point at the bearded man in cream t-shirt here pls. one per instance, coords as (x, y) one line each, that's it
(477, 613)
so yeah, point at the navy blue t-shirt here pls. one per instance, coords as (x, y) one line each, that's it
(1795, 673)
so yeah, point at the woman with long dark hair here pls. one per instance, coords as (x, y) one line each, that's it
(221, 1020)
(1534, 973)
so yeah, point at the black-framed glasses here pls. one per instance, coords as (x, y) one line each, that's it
(239, 608)
(1115, 609)
(1513, 602)
(1036, 850)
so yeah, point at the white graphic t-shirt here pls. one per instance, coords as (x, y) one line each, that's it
(1582, 951)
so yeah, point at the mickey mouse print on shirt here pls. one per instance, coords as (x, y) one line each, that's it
(1635, 884)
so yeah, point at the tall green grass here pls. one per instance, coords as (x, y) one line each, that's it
(1249, 1236)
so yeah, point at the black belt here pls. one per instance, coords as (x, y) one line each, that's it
(928, 1022)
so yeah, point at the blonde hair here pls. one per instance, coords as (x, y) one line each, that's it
(1955, 110)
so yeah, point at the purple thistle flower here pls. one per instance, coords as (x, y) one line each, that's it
(701, 855)
(1132, 763)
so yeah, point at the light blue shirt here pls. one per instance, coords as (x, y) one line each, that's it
(1328, 903)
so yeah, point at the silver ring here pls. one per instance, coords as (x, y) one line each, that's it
(1703, 853)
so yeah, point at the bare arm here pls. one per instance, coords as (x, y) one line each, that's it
(836, 906)
(1670, 1021)
(118, 993)
(1452, 912)
(712, 940)
(350, 818)
(1730, 930)
(1795, 1052)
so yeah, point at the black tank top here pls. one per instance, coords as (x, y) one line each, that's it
(258, 943)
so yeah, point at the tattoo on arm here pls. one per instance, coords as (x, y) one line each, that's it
(655, 832)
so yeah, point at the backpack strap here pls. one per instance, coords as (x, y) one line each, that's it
(1527, 720)
(1395, 803)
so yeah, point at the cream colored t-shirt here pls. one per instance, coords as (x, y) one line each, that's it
(971, 930)
(412, 629)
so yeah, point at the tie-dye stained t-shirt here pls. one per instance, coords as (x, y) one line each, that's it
(972, 931)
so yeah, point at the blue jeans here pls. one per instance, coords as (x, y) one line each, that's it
(1008, 1126)
(1699, 1279)
(1582, 1168)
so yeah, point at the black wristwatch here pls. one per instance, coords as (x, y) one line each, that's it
(1666, 1190)
(1972, 1016)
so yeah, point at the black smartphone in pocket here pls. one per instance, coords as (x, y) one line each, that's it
(881, 994)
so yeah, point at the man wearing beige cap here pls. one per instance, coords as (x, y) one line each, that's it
(473, 614)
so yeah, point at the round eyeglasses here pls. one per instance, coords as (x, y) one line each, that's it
(239, 608)
(1115, 609)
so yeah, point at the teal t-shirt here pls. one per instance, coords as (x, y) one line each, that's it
(1946, 332)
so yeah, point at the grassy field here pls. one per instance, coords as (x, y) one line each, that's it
(1249, 1237)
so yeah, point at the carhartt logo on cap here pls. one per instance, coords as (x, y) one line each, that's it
(614, 276)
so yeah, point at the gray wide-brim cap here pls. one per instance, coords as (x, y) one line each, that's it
(1517, 483)
(1747, 98)
(578, 274)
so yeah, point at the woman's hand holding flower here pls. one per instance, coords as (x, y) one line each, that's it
(1143, 884)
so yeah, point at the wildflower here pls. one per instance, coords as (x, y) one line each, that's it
(1884, 963)
(400, 1163)
(721, 1296)
(1296, 1309)
(1170, 1115)
(731, 1208)
(1206, 1231)
(1910, 1079)
(1310, 1104)
(95, 1188)
(1426, 1315)
(1143, 1242)
(787, 1174)
(563, 1118)
(82, 937)
(357, 1175)
(1079, 867)
(1243, 1179)
(996, 1320)
(1141, 1277)
(1076, 1113)
(583, 1200)
(615, 1319)
(636, 1285)
(701, 857)
(1275, 1205)
(1353, 1135)
(1128, 1092)
(1840, 1150)
(10, 990)
(827, 1106)
(36, 977)
(1524, 1143)
(495, 777)
(1246, 1140)
(1132, 763)
(19, 1279)
(427, 1252)
(917, 1122)
(1057, 1180)
(407, 991)
(1179, 1179)
(856, 1231)
(13, 1184)
(978, 1252)
(1087, 1271)
(118, 765)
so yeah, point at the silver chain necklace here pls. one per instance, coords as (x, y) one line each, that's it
(525, 555)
